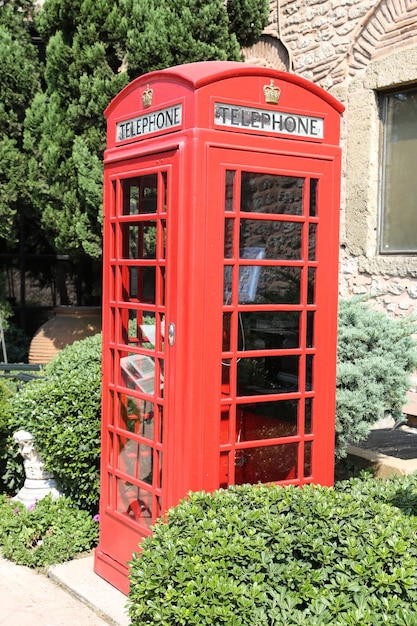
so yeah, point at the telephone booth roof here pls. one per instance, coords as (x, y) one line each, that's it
(194, 87)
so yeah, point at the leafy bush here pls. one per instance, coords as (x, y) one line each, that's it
(17, 344)
(54, 531)
(61, 409)
(275, 556)
(376, 357)
(7, 391)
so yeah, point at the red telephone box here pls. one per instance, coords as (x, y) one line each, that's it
(221, 213)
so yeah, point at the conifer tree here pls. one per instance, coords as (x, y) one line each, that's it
(19, 81)
(93, 49)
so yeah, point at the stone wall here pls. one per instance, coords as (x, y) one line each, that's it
(355, 49)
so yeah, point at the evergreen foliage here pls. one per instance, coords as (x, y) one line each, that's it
(248, 18)
(19, 80)
(376, 357)
(93, 49)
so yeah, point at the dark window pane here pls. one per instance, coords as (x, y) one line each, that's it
(267, 464)
(278, 240)
(269, 193)
(267, 420)
(269, 331)
(266, 375)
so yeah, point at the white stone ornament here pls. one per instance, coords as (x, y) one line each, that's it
(38, 482)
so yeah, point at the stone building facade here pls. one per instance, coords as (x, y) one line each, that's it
(359, 51)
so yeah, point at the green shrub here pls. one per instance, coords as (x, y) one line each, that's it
(376, 357)
(282, 556)
(7, 390)
(61, 409)
(54, 531)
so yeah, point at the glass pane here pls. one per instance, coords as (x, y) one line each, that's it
(164, 185)
(268, 193)
(227, 320)
(135, 459)
(269, 331)
(140, 195)
(278, 285)
(224, 425)
(137, 416)
(311, 286)
(228, 238)
(264, 285)
(265, 375)
(139, 240)
(309, 372)
(308, 423)
(312, 230)
(268, 464)
(277, 240)
(229, 190)
(138, 373)
(310, 329)
(313, 197)
(224, 477)
(307, 458)
(267, 420)
(399, 211)
(134, 502)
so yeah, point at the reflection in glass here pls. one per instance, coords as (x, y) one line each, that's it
(265, 375)
(267, 420)
(279, 240)
(312, 229)
(139, 240)
(140, 195)
(137, 416)
(267, 464)
(134, 502)
(268, 193)
(228, 238)
(135, 459)
(308, 446)
(224, 477)
(275, 285)
(229, 189)
(270, 330)
(138, 373)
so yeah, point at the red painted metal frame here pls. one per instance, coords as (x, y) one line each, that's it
(194, 156)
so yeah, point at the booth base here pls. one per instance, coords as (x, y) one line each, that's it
(112, 571)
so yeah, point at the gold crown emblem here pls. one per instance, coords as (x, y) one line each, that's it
(272, 93)
(147, 96)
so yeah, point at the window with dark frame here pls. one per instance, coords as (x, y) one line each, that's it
(398, 200)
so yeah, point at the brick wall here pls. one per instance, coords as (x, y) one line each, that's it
(353, 49)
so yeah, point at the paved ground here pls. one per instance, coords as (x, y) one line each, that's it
(71, 595)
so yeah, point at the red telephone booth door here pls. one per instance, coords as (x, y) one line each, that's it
(279, 312)
(135, 366)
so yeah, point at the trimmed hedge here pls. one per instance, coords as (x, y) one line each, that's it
(270, 555)
(62, 409)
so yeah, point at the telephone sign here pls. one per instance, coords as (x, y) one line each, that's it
(221, 211)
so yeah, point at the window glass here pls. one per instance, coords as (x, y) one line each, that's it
(399, 182)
